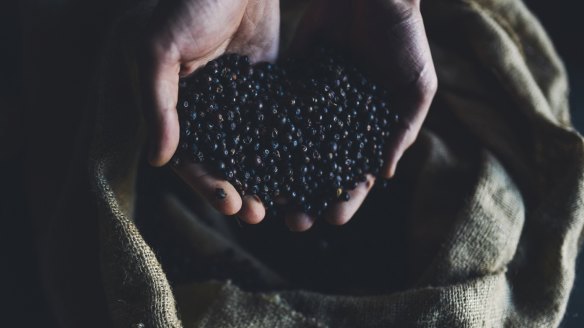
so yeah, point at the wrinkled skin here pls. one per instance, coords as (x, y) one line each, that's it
(387, 35)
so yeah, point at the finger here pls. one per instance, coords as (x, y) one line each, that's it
(160, 94)
(413, 108)
(341, 212)
(252, 210)
(298, 221)
(219, 193)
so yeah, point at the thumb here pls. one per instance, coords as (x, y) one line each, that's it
(159, 97)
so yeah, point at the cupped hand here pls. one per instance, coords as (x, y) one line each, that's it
(387, 38)
(182, 36)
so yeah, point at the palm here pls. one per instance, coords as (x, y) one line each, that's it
(184, 35)
(388, 37)
(196, 31)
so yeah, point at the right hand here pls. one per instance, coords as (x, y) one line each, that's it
(183, 36)
(388, 38)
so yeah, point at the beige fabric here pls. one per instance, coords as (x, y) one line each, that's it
(497, 214)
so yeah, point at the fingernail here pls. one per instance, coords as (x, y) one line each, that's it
(369, 184)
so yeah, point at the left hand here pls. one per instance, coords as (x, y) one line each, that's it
(387, 37)
(182, 36)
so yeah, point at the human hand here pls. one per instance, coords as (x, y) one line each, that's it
(388, 39)
(184, 35)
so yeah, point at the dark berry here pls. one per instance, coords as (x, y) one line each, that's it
(309, 130)
(220, 193)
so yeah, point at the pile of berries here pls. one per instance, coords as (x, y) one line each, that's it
(305, 131)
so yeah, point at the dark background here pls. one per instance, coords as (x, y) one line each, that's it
(564, 23)
(22, 291)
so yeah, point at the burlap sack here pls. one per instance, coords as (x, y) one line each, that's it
(495, 182)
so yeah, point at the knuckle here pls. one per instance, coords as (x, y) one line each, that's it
(425, 86)
(432, 83)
